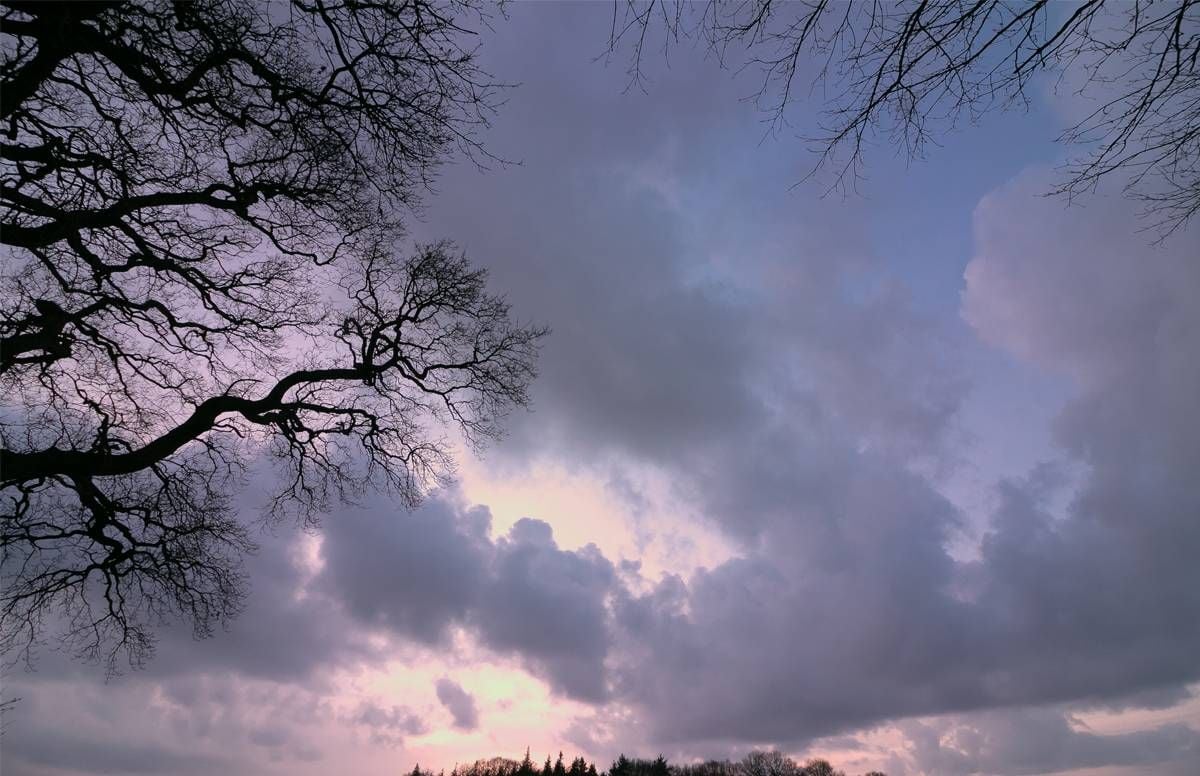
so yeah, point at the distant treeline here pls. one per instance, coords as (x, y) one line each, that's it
(756, 763)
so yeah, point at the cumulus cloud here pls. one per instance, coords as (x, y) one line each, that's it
(548, 606)
(414, 573)
(851, 611)
(417, 574)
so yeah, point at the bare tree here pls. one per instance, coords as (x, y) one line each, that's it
(202, 214)
(819, 767)
(907, 70)
(768, 763)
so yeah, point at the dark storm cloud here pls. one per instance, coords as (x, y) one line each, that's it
(459, 702)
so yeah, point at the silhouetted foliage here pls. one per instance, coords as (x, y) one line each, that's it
(638, 767)
(819, 768)
(708, 768)
(526, 766)
(770, 763)
(202, 208)
(495, 766)
(908, 70)
(756, 763)
(500, 766)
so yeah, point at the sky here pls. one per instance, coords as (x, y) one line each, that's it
(901, 476)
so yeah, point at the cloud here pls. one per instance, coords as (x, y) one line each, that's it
(757, 355)
(319, 632)
(387, 725)
(419, 574)
(848, 610)
(1043, 741)
(1113, 582)
(762, 360)
(460, 704)
(548, 606)
(413, 573)
(187, 724)
(45, 752)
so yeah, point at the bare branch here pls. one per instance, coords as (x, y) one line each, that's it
(904, 72)
(201, 205)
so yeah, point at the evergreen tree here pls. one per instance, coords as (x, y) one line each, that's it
(559, 770)
(526, 767)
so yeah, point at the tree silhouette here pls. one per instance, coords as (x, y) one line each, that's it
(769, 763)
(203, 205)
(819, 768)
(756, 763)
(526, 767)
(909, 70)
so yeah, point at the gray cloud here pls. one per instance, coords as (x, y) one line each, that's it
(1042, 741)
(44, 751)
(412, 572)
(318, 632)
(761, 356)
(548, 606)
(849, 610)
(763, 359)
(388, 725)
(416, 574)
(459, 702)
(188, 724)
